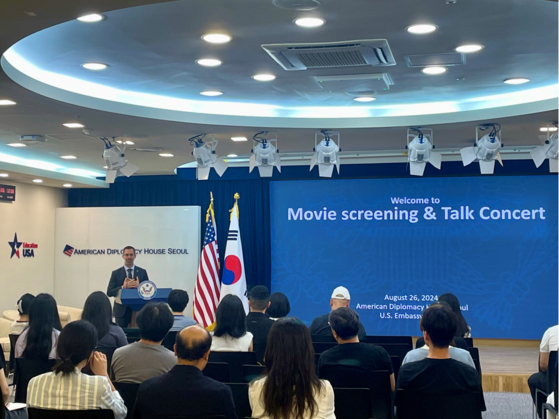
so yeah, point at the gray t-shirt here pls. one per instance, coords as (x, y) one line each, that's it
(139, 361)
(455, 353)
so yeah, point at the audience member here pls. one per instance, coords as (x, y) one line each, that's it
(350, 352)
(146, 358)
(178, 300)
(4, 412)
(39, 340)
(538, 380)
(340, 298)
(23, 305)
(97, 311)
(439, 373)
(257, 322)
(290, 388)
(230, 333)
(185, 389)
(462, 328)
(279, 306)
(67, 388)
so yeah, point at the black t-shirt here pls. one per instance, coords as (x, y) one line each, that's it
(363, 356)
(440, 376)
(320, 327)
(259, 325)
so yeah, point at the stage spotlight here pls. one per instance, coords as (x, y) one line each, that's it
(547, 151)
(485, 150)
(326, 153)
(265, 154)
(420, 151)
(115, 161)
(204, 153)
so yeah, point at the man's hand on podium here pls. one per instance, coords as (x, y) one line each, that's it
(130, 283)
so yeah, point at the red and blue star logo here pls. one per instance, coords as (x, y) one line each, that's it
(15, 245)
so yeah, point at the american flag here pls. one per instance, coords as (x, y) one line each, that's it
(68, 250)
(206, 292)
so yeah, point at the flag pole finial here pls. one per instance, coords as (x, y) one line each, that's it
(237, 196)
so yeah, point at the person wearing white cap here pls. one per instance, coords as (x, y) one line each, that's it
(340, 298)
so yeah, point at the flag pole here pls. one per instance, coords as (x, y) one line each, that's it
(237, 197)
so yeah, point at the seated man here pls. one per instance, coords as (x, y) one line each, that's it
(350, 352)
(257, 322)
(185, 390)
(340, 298)
(538, 380)
(178, 300)
(439, 373)
(146, 358)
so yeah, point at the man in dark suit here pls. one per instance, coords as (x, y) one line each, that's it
(127, 277)
(257, 322)
(185, 389)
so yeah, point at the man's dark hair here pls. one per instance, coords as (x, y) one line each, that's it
(345, 322)
(440, 324)
(193, 349)
(154, 321)
(259, 297)
(24, 303)
(129, 247)
(177, 300)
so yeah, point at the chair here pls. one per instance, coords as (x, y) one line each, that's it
(219, 371)
(25, 370)
(396, 364)
(128, 392)
(352, 403)
(169, 340)
(13, 340)
(320, 347)
(551, 385)
(458, 343)
(396, 349)
(132, 334)
(320, 338)
(413, 405)
(407, 340)
(469, 342)
(109, 352)
(240, 397)
(259, 348)
(378, 383)
(34, 413)
(250, 372)
(236, 360)
(474, 353)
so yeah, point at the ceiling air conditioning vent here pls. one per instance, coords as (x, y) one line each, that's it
(370, 52)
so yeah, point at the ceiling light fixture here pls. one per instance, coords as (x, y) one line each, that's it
(17, 145)
(94, 66)
(216, 38)
(420, 151)
(364, 99)
(309, 22)
(433, 71)
(326, 153)
(232, 155)
(548, 129)
(129, 142)
(422, 29)
(68, 157)
(211, 93)
(115, 161)
(67, 185)
(4, 175)
(6, 102)
(38, 180)
(548, 150)
(516, 80)
(264, 77)
(264, 154)
(469, 48)
(205, 156)
(73, 125)
(208, 62)
(237, 139)
(166, 155)
(485, 150)
(95, 17)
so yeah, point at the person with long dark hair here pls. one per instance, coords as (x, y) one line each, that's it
(23, 305)
(279, 306)
(463, 330)
(67, 388)
(290, 388)
(97, 311)
(39, 340)
(230, 333)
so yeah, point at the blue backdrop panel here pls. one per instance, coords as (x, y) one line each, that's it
(504, 271)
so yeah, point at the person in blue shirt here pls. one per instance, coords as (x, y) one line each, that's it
(178, 300)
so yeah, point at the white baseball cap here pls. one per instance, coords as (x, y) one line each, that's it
(341, 293)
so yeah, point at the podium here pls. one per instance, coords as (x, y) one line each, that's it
(130, 297)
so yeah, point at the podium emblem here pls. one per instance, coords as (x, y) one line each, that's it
(147, 290)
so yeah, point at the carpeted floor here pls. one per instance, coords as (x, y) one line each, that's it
(508, 406)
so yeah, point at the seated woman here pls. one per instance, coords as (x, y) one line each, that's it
(279, 306)
(67, 388)
(38, 341)
(23, 305)
(230, 333)
(290, 388)
(463, 330)
(97, 311)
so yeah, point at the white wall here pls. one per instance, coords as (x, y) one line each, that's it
(32, 217)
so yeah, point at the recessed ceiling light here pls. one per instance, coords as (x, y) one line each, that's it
(6, 102)
(119, 141)
(4, 175)
(364, 99)
(166, 155)
(94, 66)
(434, 70)
(239, 139)
(73, 125)
(38, 180)
(232, 155)
(421, 29)
(68, 157)
(516, 80)
(469, 48)
(550, 129)
(209, 62)
(264, 77)
(67, 185)
(309, 22)
(105, 167)
(91, 18)
(129, 142)
(216, 38)
(211, 93)
(17, 145)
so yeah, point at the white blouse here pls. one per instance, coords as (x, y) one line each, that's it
(227, 343)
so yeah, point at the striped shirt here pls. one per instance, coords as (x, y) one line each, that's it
(76, 391)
